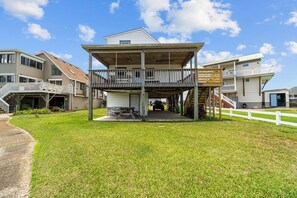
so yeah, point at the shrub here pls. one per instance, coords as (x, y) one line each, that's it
(33, 111)
(57, 109)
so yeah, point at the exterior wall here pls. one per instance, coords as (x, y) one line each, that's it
(252, 98)
(120, 99)
(136, 37)
(82, 103)
(252, 65)
(267, 97)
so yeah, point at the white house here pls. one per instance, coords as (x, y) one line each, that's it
(244, 78)
(139, 68)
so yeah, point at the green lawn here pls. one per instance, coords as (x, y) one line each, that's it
(234, 158)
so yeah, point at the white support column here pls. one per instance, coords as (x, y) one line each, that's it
(142, 95)
(196, 108)
(90, 106)
(235, 83)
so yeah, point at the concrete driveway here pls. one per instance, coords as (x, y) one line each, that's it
(16, 148)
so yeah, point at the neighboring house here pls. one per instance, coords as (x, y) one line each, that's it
(276, 98)
(139, 68)
(41, 80)
(293, 97)
(244, 78)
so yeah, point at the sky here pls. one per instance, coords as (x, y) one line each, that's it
(228, 28)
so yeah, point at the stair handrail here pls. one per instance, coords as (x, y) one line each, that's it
(4, 105)
(230, 101)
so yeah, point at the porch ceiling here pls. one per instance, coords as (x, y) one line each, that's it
(155, 54)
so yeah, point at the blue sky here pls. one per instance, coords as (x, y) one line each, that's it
(228, 27)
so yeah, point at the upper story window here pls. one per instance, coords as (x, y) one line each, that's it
(245, 65)
(125, 42)
(81, 86)
(7, 58)
(56, 71)
(31, 63)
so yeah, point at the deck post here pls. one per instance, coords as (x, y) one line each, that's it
(142, 95)
(213, 103)
(209, 101)
(181, 103)
(196, 109)
(90, 106)
(220, 103)
(47, 100)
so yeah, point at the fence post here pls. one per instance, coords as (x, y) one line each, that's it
(231, 112)
(277, 118)
(249, 114)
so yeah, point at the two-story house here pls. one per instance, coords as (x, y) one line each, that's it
(244, 78)
(139, 68)
(41, 80)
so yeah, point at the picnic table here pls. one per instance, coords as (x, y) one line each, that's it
(127, 110)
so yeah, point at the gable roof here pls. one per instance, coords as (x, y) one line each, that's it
(71, 71)
(130, 31)
(237, 59)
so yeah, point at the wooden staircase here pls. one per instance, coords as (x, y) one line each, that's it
(203, 94)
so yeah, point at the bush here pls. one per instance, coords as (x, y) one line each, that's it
(57, 109)
(33, 111)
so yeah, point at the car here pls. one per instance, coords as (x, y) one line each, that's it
(158, 105)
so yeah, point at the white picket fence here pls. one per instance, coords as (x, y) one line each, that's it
(278, 116)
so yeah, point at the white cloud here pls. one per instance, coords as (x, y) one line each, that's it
(293, 19)
(24, 9)
(273, 65)
(38, 32)
(267, 48)
(205, 56)
(171, 40)
(292, 46)
(284, 54)
(62, 55)
(86, 33)
(114, 6)
(185, 17)
(241, 47)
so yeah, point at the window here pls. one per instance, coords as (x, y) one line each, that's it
(247, 80)
(56, 82)
(150, 74)
(33, 63)
(39, 65)
(2, 79)
(125, 42)
(56, 71)
(81, 86)
(10, 78)
(245, 65)
(2, 58)
(23, 80)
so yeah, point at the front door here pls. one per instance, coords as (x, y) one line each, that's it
(135, 101)
(273, 100)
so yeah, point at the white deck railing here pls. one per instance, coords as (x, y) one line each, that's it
(230, 87)
(248, 72)
(249, 115)
(34, 87)
(226, 99)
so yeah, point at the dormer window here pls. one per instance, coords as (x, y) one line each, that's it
(125, 42)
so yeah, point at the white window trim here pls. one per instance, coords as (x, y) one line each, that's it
(37, 79)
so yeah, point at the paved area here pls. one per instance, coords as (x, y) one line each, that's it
(153, 116)
(16, 148)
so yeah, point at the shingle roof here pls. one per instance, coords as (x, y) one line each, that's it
(71, 71)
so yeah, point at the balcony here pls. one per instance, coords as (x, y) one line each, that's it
(228, 88)
(121, 78)
(249, 72)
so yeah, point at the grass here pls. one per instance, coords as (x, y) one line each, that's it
(271, 117)
(234, 158)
